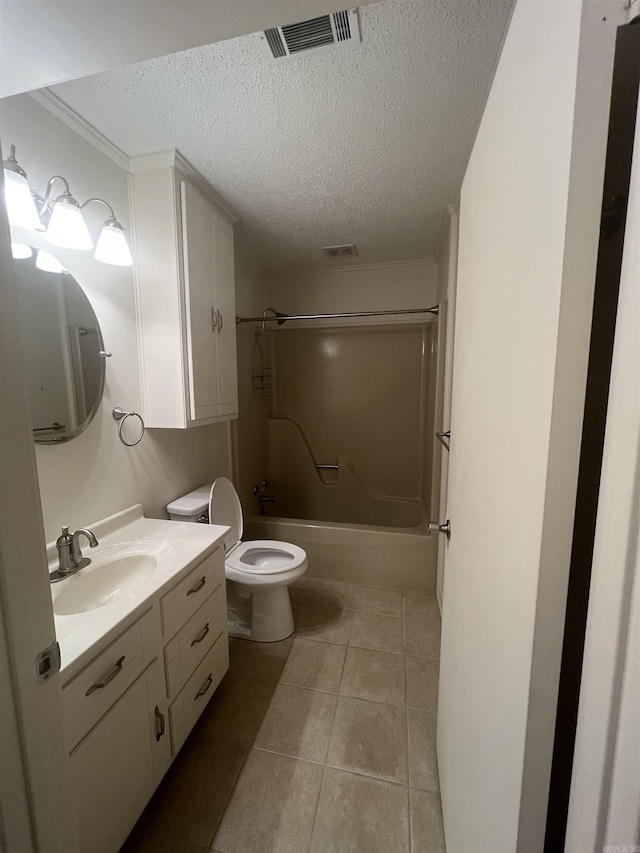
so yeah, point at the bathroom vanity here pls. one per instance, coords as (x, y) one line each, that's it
(144, 644)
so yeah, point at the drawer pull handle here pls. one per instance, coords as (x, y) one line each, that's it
(201, 636)
(160, 719)
(117, 668)
(204, 689)
(197, 587)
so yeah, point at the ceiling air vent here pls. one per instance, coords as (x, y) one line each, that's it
(349, 251)
(324, 33)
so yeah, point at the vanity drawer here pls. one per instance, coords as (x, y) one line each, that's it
(89, 695)
(186, 597)
(192, 699)
(194, 640)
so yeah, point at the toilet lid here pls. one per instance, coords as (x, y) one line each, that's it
(225, 508)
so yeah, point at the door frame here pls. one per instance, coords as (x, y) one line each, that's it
(447, 391)
(35, 793)
(604, 794)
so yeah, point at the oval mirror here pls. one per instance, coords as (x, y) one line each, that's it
(62, 343)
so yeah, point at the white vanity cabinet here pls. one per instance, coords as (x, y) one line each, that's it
(184, 268)
(130, 708)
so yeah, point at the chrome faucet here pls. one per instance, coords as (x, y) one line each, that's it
(70, 559)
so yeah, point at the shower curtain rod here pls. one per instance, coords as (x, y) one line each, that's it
(280, 318)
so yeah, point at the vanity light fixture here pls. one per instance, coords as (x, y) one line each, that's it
(61, 219)
(67, 227)
(47, 263)
(111, 247)
(21, 208)
(20, 251)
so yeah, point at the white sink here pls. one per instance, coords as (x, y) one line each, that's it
(115, 572)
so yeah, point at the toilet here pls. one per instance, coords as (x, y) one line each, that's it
(258, 572)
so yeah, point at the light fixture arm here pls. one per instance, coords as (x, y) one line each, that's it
(47, 195)
(12, 164)
(102, 201)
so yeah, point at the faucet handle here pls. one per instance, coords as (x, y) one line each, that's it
(65, 537)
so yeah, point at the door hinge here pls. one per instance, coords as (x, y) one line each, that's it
(48, 662)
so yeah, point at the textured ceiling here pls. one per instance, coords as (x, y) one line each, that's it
(364, 145)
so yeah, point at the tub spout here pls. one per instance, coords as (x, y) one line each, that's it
(266, 499)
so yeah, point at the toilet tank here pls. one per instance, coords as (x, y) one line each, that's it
(191, 507)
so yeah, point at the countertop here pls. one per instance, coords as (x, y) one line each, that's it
(83, 635)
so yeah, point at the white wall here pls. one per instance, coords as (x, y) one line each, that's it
(94, 475)
(369, 287)
(528, 241)
(443, 260)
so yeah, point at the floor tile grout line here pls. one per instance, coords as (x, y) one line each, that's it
(373, 701)
(368, 775)
(228, 797)
(246, 755)
(364, 775)
(324, 767)
(406, 711)
(288, 755)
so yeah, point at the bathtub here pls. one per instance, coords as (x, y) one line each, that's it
(395, 557)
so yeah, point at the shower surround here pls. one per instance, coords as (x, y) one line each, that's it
(350, 442)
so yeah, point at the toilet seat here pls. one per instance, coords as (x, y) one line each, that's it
(257, 572)
(258, 556)
(265, 557)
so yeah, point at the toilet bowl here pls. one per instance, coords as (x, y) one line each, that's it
(258, 572)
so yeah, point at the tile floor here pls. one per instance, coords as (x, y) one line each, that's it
(324, 742)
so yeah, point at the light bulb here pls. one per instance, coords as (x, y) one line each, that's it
(20, 251)
(21, 208)
(47, 263)
(112, 245)
(67, 227)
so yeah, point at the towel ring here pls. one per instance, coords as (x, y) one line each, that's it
(120, 415)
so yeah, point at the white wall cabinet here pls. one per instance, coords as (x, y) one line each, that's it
(149, 685)
(183, 235)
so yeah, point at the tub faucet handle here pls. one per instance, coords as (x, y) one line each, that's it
(267, 483)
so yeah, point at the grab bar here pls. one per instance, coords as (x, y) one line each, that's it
(328, 467)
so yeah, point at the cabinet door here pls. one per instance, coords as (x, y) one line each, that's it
(201, 315)
(225, 301)
(112, 768)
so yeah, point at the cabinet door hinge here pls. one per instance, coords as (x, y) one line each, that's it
(48, 663)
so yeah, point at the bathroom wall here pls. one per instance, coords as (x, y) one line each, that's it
(318, 372)
(250, 430)
(358, 393)
(94, 475)
(368, 287)
(442, 372)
